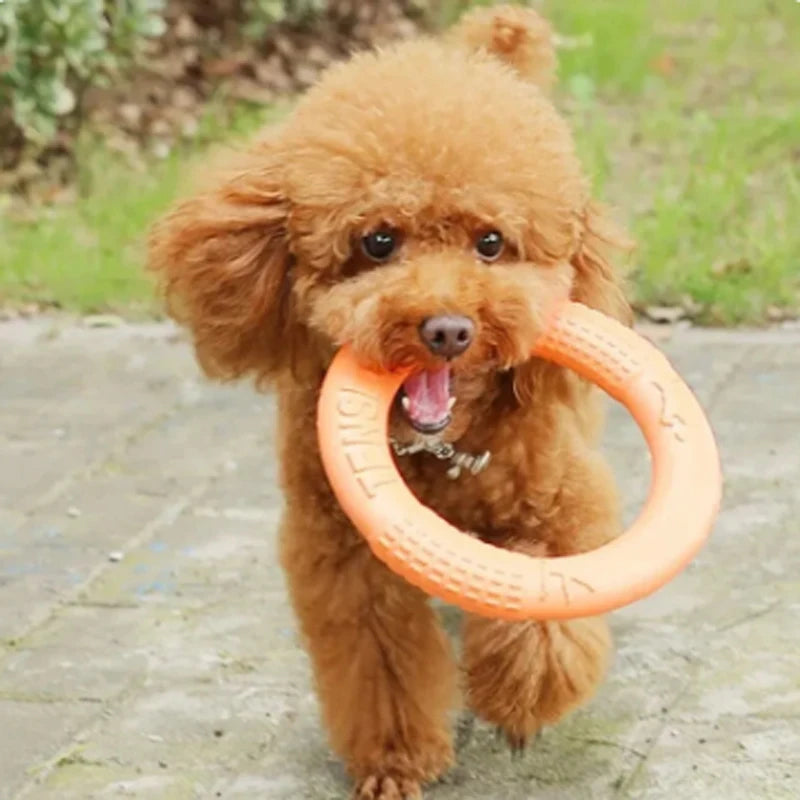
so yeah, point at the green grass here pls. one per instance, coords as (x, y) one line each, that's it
(687, 119)
(88, 255)
(686, 116)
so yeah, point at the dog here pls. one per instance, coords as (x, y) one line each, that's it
(424, 204)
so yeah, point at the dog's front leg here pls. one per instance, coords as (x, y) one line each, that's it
(384, 671)
(523, 675)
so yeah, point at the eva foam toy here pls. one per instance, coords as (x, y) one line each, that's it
(413, 541)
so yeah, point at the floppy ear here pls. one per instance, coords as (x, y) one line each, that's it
(223, 260)
(597, 283)
(516, 36)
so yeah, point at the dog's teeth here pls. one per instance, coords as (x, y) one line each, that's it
(406, 403)
(450, 403)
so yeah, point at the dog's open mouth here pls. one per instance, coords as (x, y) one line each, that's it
(426, 400)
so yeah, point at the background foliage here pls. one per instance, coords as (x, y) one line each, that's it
(685, 115)
(51, 51)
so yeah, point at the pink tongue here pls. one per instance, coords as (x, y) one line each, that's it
(428, 395)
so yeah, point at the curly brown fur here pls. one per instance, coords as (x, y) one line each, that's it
(437, 141)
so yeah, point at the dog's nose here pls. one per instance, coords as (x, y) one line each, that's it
(447, 335)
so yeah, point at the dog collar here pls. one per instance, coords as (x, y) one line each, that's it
(445, 451)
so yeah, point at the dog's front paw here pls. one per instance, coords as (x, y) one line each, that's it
(517, 739)
(398, 770)
(387, 788)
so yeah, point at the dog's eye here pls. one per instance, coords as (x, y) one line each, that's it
(490, 245)
(380, 244)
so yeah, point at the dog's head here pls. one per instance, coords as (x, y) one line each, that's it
(424, 204)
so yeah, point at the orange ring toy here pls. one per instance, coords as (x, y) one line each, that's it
(413, 541)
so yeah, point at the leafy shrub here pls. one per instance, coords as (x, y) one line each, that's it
(262, 14)
(51, 51)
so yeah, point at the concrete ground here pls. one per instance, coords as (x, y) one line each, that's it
(146, 646)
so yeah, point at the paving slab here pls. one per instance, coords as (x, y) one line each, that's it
(147, 648)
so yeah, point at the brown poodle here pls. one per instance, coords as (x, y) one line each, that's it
(425, 204)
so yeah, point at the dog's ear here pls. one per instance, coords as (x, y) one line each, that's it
(516, 36)
(597, 283)
(223, 260)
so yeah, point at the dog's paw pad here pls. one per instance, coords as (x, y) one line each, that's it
(375, 788)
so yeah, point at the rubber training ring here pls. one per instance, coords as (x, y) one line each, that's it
(676, 520)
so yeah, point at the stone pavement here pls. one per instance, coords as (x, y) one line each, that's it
(146, 646)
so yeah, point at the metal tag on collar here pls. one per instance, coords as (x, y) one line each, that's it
(474, 464)
(445, 451)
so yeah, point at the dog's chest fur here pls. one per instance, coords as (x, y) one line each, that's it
(510, 495)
